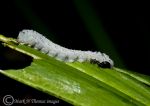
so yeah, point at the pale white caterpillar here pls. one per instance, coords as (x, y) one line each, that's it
(46, 46)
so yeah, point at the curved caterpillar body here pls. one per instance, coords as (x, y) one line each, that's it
(46, 46)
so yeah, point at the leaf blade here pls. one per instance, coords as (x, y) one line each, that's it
(78, 83)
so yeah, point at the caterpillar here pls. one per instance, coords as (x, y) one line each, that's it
(38, 41)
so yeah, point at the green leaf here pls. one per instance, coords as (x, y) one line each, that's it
(80, 83)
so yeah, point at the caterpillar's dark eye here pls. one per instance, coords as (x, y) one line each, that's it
(104, 64)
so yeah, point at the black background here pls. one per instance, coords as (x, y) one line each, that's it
(127, 25)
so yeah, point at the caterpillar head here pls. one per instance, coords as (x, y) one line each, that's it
(102, 60)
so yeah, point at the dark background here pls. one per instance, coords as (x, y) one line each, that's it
(126, 26)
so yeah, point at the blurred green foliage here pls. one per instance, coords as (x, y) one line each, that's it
(94, 26)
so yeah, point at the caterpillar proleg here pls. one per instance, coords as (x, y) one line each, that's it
(38, 41)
